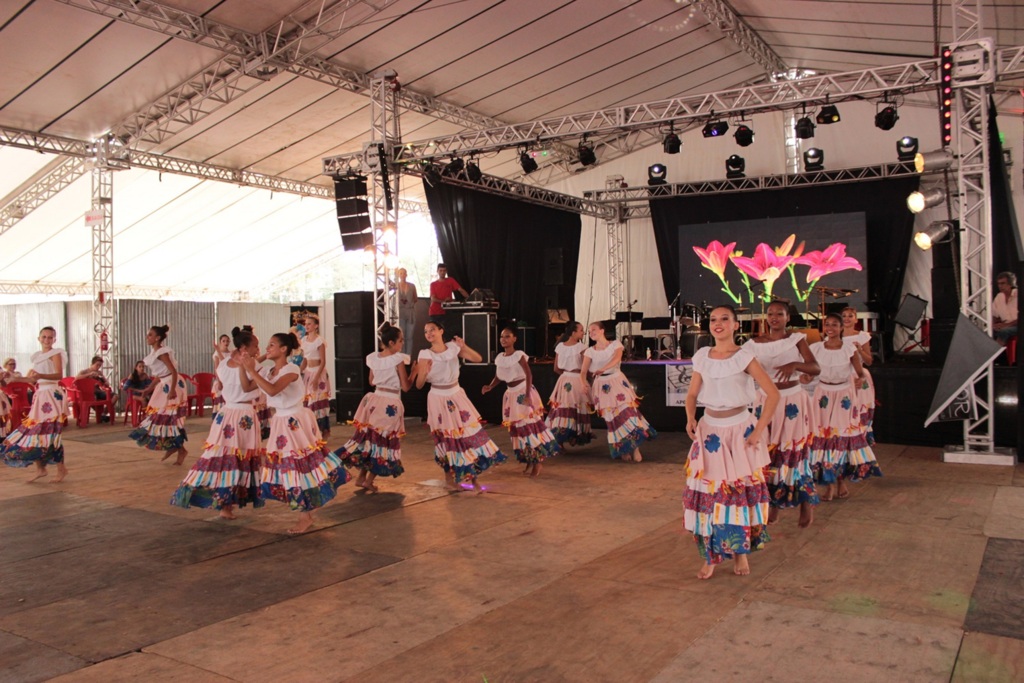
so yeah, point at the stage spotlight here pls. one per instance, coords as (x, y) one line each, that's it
(586, 153)
(656, 174)
(473, 171)
(936, 233)
(938, 160)
(828, 114)
(920, 200)
(744, 135)
(886, 117)
(804, 128)
(672, 144)
(735, 166)
(715, 129)
(814, 160)
(528, 163)
(454, 168)
(906, 148)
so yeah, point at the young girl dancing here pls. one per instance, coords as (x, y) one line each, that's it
(784, 355)
(863, 388)
(226, 474)
(297, 467)
(314, 375)
(569, 407)
(614, 398)
(725, 504)
(38, 439)
(221, 351)
(375, 448)
(163, 428)
(461, 445)
(521, 407)
(840, 447)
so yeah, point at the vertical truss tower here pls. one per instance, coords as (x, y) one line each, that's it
(385, 177)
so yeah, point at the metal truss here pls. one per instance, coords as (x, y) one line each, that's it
(101, 220)
(386, 133)
(72, 289)
(63, 174)
(723, 17)
(617, 243)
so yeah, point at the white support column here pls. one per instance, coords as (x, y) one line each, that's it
(101, 220)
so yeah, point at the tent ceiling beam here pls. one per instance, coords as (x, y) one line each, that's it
(723, 17)
(127, 292)
(59, 176)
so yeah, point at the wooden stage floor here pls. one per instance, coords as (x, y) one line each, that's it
(583, 574)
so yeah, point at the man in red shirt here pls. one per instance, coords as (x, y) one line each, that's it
(442, 289)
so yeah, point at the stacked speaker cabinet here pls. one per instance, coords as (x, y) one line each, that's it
(354, 339)
(478, 331)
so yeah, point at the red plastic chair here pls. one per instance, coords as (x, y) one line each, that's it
(201, 389)
(86, 401)
(71, 394)
(18, 393)
(1011, 351)
(134, 404)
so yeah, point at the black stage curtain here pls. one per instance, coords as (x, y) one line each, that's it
(506, 245)
(1006, 243)
(884, 202)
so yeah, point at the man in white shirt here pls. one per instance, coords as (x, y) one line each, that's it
(1004, 308)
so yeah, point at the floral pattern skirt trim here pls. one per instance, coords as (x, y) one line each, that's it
(217, 402)
(297, 467)
(376, 444)
(163, 427)
(840, 446)
(864, 390)
(617, 403)
(38, 438)
(569, 410)
(725, 502)
(228, 471)
(5, 416)
(461, 445)
(523, 414)
(318, 398)
(263, 415)
(790, 433)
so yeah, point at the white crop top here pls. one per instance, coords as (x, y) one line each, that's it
(159, 368)
(570, 358)
(509, 369)
(836, 367)
(311, 348)
(598, 359)
(445, 365)
(861, 337)
(385, 373)
(290, 398)
(774, 354)
(231, 384)
(42, 361)
(725, 383)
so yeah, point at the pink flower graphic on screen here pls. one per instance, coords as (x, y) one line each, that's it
(831, 260)
(768, 264)
(715, 257)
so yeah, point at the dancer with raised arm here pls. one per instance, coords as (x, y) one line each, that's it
(522, 410)
(297, 467)
(38, 440)
(725, 504)
(317, 382)
(613, 396)
(863, 387)
(375, 448)
(226, 475)
(163, 428)
(569, 406)
(461, 445)
(784, 355)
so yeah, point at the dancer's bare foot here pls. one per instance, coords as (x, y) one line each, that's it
(706, 571)
(168, 454)
(182, 454)
(535, 470)
(526, 470)
(40, 473)
(361, 479)
(830, 492)
(806, 515)
(637, 457)
(628, 457)
(369, 486)
(476, 485)
(227, 513)
(844, 491)
(62, 471)
(450, 483)
(741, 565)
(773, 514)
(305, 521)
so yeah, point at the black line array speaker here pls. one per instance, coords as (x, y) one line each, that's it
(354, 336)
(353, 342)
(353, 308)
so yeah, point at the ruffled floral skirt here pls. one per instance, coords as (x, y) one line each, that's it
(790, 433)
(297, 467)
(217, 399)
(376, 444)
(5, 415)
(569, 410)
(263, 415)
(461, 445)
(163, 427)
(318, 398)
(840, 446)
(617, 404)
(725, 503)
(523, 414)
(228, 471)
(38, 438)
(864, 391)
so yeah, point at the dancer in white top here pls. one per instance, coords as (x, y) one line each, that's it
(221, 351)
(38, 439)
(163, 428)
(314, 374)
(569, 406)
(375, 448)
(863, 387)
(613, 396)
(522, 410)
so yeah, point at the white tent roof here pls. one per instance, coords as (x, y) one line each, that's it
(77, 73)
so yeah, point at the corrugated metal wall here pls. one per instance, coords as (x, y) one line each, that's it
(81, 338)
(19, 330)
(266, 319)
(192, 335)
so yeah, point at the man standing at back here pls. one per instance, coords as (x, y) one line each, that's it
(443, 289)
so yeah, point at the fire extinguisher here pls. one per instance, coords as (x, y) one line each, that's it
(104, 341)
